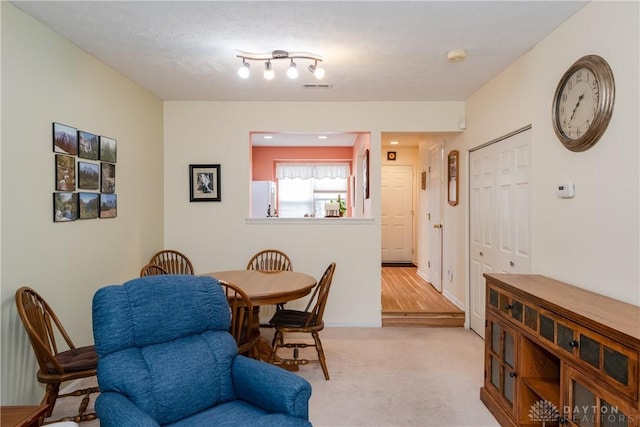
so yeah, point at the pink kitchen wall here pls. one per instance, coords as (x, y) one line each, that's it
(264, 158)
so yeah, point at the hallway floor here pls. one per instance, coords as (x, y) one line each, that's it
(409, 300)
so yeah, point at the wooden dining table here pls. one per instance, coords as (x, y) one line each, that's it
(267, 288)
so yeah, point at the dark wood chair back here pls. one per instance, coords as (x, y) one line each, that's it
(318, 300)
(173, 262)
(57, 363)
(152, 270)
(244, 328)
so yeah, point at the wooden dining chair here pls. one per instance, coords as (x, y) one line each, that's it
(270, 260)
(243, 328)
(308, 321)
(56, 365)
(152, 270)
(173, 262)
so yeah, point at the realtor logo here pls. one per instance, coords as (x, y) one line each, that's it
(543, 411)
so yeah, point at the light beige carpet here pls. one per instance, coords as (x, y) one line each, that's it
(391, 377)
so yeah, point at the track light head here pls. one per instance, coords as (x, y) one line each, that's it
(244, 71)
(292, 71)
(317, 70)
(269, 74)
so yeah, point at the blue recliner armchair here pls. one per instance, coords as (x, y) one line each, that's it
(165, 357)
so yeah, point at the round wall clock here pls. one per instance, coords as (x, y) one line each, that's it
(583, 103)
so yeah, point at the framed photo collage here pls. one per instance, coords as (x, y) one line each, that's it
(85, 175)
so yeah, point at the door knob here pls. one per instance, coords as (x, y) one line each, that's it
(437, 226)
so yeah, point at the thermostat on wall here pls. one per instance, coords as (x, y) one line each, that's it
(566, 190)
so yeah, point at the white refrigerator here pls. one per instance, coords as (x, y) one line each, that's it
(263, 199)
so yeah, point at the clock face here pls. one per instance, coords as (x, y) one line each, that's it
(583, 103)
(577, 103)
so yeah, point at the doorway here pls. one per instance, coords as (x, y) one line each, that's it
(409, 298)
(397, 214)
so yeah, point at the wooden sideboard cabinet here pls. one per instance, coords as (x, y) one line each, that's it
(556, 354)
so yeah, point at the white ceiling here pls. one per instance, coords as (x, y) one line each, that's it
(373, 50)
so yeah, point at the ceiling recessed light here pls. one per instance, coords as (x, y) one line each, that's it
(393, 142)
(268, 137)
(322, 136)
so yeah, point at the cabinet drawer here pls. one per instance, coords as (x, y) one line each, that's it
(506, 304)
(614, 362)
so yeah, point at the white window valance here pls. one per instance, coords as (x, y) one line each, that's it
(312, 170)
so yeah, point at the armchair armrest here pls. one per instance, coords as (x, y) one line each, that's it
(115, 410)
(270, 387)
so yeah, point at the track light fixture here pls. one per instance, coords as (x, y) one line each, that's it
(269, 74)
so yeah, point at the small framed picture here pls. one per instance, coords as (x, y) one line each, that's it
(88, 176)
(108, 205)
(108, 149)
(108, 178)
(65, 207)
(365, 174)
(452, 178)
(204, 183)
(88, 145)
(88, 204)
(65, 173)
(65, 139)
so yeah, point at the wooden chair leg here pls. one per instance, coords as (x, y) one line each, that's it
(277, 339)
(321, 358)
(50, 396)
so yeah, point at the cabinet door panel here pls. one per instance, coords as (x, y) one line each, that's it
(587, 403)
(502, 353)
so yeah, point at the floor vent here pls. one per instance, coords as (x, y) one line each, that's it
(317, 85)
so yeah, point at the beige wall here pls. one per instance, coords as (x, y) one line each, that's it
(218, 235)
(46, 79)
(591, 240)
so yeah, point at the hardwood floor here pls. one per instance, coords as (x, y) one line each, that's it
(409, 300)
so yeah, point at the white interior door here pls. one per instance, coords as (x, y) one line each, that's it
(397, 213)
(434, 216)
(499, 204)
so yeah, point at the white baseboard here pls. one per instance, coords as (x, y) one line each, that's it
(454, 300)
